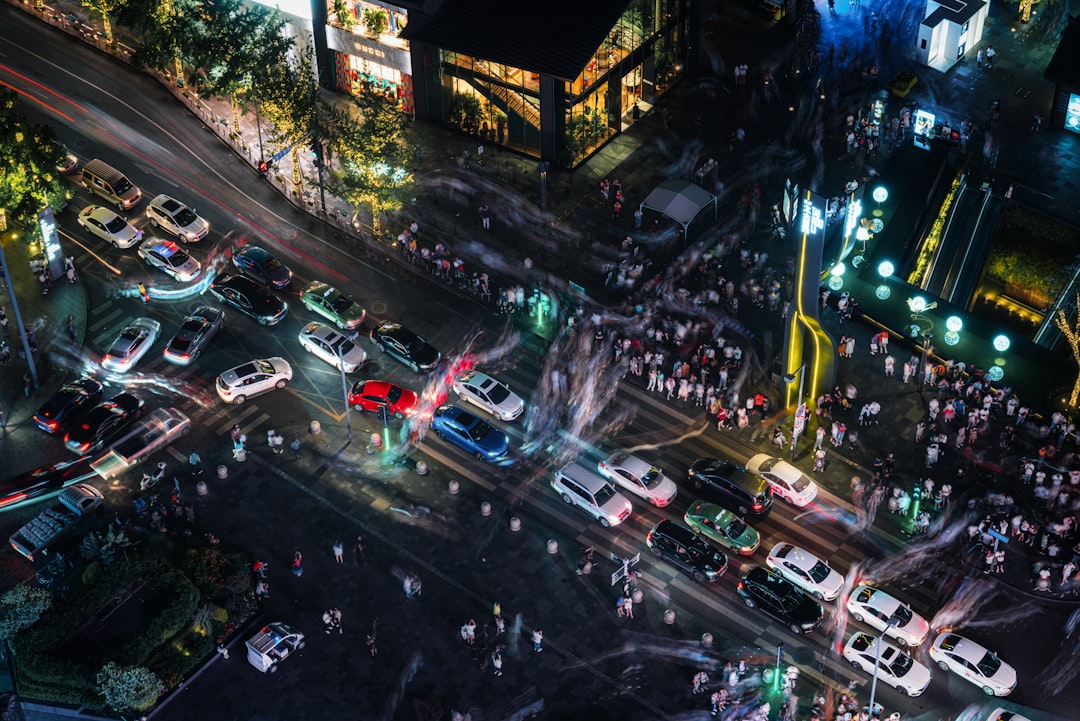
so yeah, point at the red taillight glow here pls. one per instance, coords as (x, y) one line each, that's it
(13, 499)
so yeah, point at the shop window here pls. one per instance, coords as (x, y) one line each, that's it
(922, 44)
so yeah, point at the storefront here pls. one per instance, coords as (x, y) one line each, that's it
(1064, 71)
(560, 101)
(370, 59)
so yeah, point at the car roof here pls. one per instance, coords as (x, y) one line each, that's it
(167, 203)
(160, 245)
(879, 599)
(634, 464)
(963, 647)
(678, 532)
(258, 253)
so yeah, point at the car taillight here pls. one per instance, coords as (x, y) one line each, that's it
(758, 506)
(741, 586)
(649, 537)
(13, 499)
(53, 425)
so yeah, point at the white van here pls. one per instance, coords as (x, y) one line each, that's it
(580, 487)
(274, 643)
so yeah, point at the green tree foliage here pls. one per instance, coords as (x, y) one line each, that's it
(105, 9)
(105, 547)
(29, 156)
(21, 607)
(169, 32)
(289, 99)
(129, 688)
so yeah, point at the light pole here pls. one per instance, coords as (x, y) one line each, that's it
(800, 407)
(894, 620)
(345, 392)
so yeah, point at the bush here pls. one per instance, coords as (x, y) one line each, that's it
(20, 608)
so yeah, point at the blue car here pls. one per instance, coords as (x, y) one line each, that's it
(260, 264)
(472, 434)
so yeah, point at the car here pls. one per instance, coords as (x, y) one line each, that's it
(470, 433)
(103, 422)
(974, 663)
(875, 608)
(174, 217)
(329, 345)
(1002, 714)
(273, 644)
(253, 378)
(732, 487)
(786, 480)
(683, 548)
(262, 265)
(483, 391)
(131, 345)
(103, 223)
(641, 478)
(894, 667)
(44, 481)
(405, 346)
(67, 161)
(722, 526)
(805, 570)
(67, 404)
(578, 486)
(373, 395)
(170, 258)
(194, 334)
(778, 597)
(249, 298)
(332, 304)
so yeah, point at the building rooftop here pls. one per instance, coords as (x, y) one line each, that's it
(1064, 67)
(956, 11)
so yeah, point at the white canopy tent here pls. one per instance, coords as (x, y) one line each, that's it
(680, 200)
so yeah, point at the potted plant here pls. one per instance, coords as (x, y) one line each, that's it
(376, 21)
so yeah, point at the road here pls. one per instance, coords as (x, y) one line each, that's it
(468, 562)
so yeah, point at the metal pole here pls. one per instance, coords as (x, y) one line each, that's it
(258, 128)
(345, 392)
(925, 357)
(18, 317)
(893, 620)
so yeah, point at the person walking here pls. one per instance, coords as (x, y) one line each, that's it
(339, 552)
(222, 651)
(890, 366)
(496, 662)
(294, 444)
(298, 564)
(538, 640)
(143, 292)
(195, 463)
(358, 551)
(69, 328)
(69, 269)
(698, 684)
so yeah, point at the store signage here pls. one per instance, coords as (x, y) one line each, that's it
(54, 255)
(368, 49)
(1072, 113)
(811, 214)
(924, 126)
(854, 213)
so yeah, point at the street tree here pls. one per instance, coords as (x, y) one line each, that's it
(129, 688)
(105, 9)
(171, 33)
(372, 169)
(1071, 331)
(29, 156)
(289, 98)
(21, 607)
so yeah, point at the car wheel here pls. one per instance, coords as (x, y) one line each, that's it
(300, 645)
(153, 222)
(480, 456)
(398, 415)
(656, 552)
(699, 576)
(818, 595)
(566, 497)
(943, 666)
(281, 384)
(273, 668)
(901, 642)
(357, 407)
(698, 484)
(903, 691)
(857, 616)
(989, 691)
(115, 244)
(795, 629)
(340, 325)
(605, 522)
(750, 603)
(856, 665)
(187, 429)
(441, 435)
(239, 399)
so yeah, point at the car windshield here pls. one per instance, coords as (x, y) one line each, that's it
(341, 303)
(116, 224)
(819, 572)
(903, 615)
(271, 264)
(901, 665)
(799, 483)
(653, 477)
(344, 346)
(263, 366)
(498, 393)
(605, 494)
(121, 186)
(736, 528)
(394, 394)
(480, 430)
(185, 217)
(769, 464)
(989, 665)
(178, 257)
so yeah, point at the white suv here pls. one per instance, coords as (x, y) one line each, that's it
(581, 487)
(273, 644)
(253, 378)
(175, 217)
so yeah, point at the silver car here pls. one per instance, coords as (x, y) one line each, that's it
(328, 344)
(110, 227)
(253, 378)
(493, 396)
(132, 344)
(170, 258)
(174, 217)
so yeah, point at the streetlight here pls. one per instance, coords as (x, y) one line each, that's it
(880, 195)
(885, 269)
(894, 620)
(800, 408)
(344, 390)
(836, 279)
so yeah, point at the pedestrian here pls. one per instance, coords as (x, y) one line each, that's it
(819, 437)
(485, 217)
(890, 366)
(224, 652)
(819, 460)
(238, 447)
(298, 564)
(270, 439)
(69, 269)
(980, 57)
(719, 698)
(990, 53)
(28, 383)
(358, 551)
(328, 621)
(43, 279)
(262, 589)
(143, 292)
(69, 328)
(999, 560)
(335, 619)
(339, 552)
(500, 625)
(470, 632)
(195, 462)
(372, 648)
(260, 567)
(698, 683)
(538, 640)
(294, 444)
(496, 662)
(235, 432)
(628, 606)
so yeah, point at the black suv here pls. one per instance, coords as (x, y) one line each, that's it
(733, 487)
(780, 599)
(68, 404)
(682, 547)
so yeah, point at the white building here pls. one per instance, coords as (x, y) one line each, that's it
(950, 29)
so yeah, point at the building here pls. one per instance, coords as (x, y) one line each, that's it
(949, 29)
(1064, 71)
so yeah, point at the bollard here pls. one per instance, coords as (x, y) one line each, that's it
(553, 546)
(376, 440)
(706, 640)
(240, 454)
(485, 509)
(637, 596)
(369, 450)
(222, 472)
(421, 468)
(315, 428)
(515, 523)
(453, 486)
(669, 617)
(200, 488)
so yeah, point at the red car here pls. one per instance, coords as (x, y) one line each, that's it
(372, 395)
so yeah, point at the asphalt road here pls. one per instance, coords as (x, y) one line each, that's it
(636, 669)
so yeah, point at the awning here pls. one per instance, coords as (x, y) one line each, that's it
(679, 200)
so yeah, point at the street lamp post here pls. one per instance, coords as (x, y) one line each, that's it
(894, 620)
(800, 411)
(927, 337)
(345, 392)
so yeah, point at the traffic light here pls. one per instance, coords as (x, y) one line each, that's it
(384, 414)
(264, 168)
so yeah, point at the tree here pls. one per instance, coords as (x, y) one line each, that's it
(170, 33)
(289, 98)
(29, 157)
(21, 607)
(1071, 331)
(104, 8)
(373, 156)
(130, 688)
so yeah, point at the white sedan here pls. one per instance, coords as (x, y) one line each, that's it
(107, 225)
(329, 345)
(875, 607)
(639, 477)
(895, 668)
(253, 378)
(786, 480)
(132, 344)
(805, 570)
(974, 663)
(485, 392)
